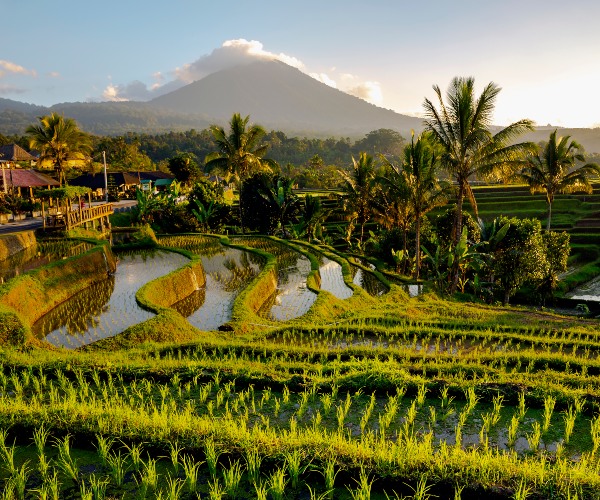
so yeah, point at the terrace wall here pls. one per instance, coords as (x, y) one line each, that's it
(175, 286)
(13, 243)
(28, 297)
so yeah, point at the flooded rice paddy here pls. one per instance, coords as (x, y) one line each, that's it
(227, 270)
(587, 291)
(332, 279)
(39, 255)
(109, 307)
(292, 298)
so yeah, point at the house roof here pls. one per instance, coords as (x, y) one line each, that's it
(26, 178)
(154, 175)
(96, 181)
(14, 152)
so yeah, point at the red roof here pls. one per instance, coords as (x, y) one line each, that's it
(26, 178)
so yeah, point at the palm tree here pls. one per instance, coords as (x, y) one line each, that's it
(59, 140)
(360, 189)
(417, 181)
(553, 170)
(239, 153)
(469, 149)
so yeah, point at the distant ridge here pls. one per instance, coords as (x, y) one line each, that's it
(275, 95)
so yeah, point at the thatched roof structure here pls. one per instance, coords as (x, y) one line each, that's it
(11, 153)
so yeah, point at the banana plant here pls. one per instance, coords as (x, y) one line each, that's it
(203, 214)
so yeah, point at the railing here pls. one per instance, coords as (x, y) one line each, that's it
(77, 217)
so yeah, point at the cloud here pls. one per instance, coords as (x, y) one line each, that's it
(15, 69)
(134, 91)
(324, 78)
(11, 89)
(54, 74)
(233, 53)
(369, 91)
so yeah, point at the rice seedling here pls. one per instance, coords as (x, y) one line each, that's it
(149, 477)
(135, 451)
(191, 470)
(513, 429)
(51, 486)
(294, 462)
(174, 451)
(103, 447)
(253, 462)
(277, 484)
(366, 415)
(521, 492)
(8, 456)
(261, 489)
(446, 400)
(569, 418)
(533, 438)
(212, 457)
(215, 490)
(549, 403)
(421, 489)
(329, 472)
(363, 492)
(421, 393)
(232, 477)
(19, 480)
(118, 467)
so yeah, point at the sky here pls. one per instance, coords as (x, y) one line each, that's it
(544, 54)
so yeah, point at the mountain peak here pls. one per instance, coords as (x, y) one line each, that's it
(280, 96)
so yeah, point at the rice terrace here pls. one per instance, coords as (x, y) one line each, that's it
(260, 283)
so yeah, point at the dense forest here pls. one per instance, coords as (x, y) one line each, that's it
(310, 160)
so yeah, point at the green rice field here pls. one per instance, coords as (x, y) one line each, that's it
(357, 395)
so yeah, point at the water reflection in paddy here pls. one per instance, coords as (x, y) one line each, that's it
(293, 298)
(107, 308)
(228, 271)
(40, 254)
(332, 278)
(588, 291)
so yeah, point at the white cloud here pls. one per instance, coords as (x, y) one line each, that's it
(324, 78)
(234, 53)
(10, 67)
(369, 91)
(11, 89)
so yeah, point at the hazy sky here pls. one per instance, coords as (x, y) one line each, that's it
(545, 54)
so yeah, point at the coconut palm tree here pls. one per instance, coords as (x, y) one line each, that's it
(416, 180)
(239, 153)
(553, 170)
(469, 149)
(59, 140)
(360, 189)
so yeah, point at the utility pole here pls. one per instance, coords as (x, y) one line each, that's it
(105, 177)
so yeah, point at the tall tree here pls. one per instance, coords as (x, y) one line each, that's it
(417, 180)
(360, 190)
(59, 140)
(239, 152)
(469, 149)
(185, 168)
(553, 169)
